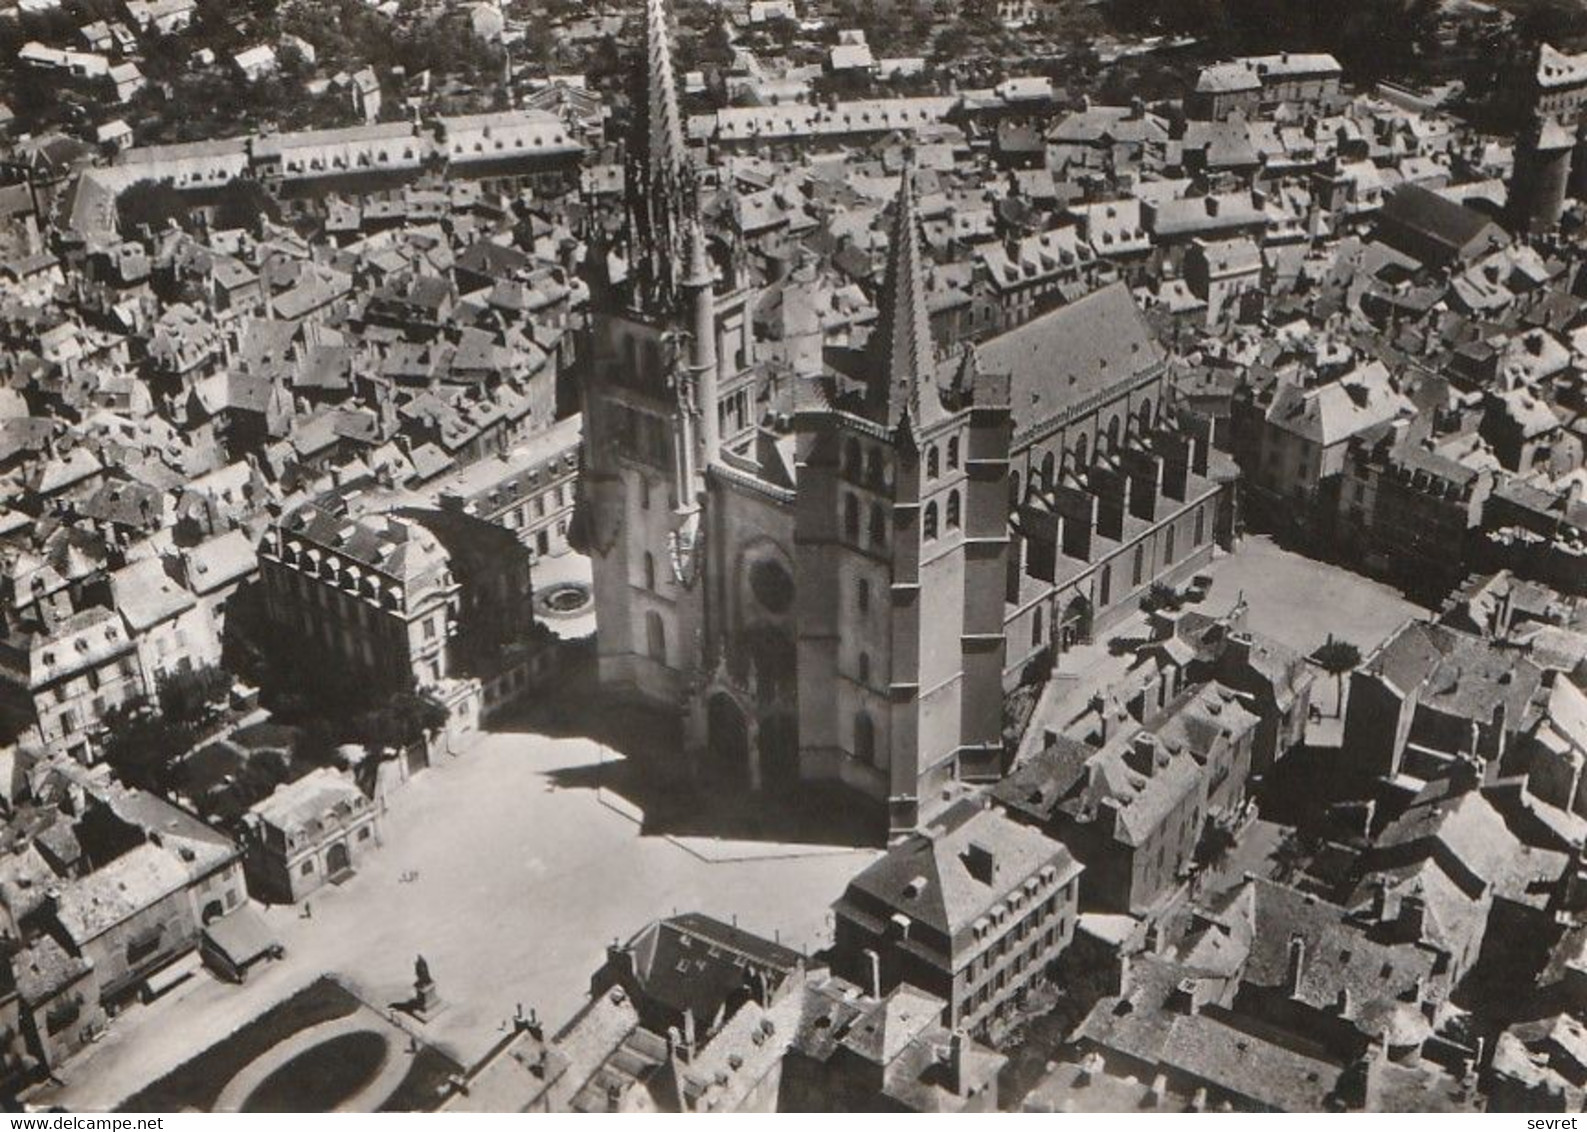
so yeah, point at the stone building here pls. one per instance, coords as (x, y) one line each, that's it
(816, 583)
(403, 597)
(972, 909)
(308, 833)
(375, 592)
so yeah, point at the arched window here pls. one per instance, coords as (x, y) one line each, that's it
(650, 571)
(1105, 587)
(1035, 628)
(929, 527)
(1201, 525)
(953, 453)
(864, 737)
(862, 595)
(878, 525)
(851, 459)
(644, 494)
(931, 462)
(1139, 568)
(656, 636)
(952, 514)
(851, 518)
(1168, 545)
(1013, 490)
(1145, 415)
(1113, 434)
(1046, 471)
(1080, 451)
(865, 668)
(875, 469)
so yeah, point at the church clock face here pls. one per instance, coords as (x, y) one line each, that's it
(772, 586)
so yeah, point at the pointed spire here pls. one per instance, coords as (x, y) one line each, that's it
(660, 186)
(661, 89)
(900, 346)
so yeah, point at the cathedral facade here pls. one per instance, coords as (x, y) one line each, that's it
(834, 576)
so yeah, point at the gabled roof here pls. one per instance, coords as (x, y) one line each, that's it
(1436, 218)
(146, 595)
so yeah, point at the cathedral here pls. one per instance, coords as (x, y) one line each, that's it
(834, 571)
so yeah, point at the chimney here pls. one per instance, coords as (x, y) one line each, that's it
(620, 962)
(1183, 998)
(1237, 650)
(686, 1048)
(1412, 911)
(1297, 965)
(873, 964)
(1385, 904)
(957, 1056)
(1142, 755)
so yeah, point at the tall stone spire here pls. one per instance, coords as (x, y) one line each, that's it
(660, 181)
(900, 349)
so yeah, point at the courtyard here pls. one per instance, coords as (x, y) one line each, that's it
(508, 884)
(1300, 601)
(1295, 600)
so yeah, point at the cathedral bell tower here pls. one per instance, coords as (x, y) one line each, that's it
(901, 543)
(650, 396)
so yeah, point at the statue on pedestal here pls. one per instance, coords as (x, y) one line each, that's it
(426, 1001)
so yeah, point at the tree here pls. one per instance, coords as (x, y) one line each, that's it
(1291, 857)
(1338, 659)
(242, 203)
(151, 204)
(1216, 843)
(144, 745)
(404, 719)
(189, 697)
(1161, 596)
(1549, 21)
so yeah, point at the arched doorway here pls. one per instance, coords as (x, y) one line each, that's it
(1076, 623)
(727, 739)
(213, 911)
(338, 860)
(779, 751)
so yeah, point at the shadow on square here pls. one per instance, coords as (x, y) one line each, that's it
(648, 770)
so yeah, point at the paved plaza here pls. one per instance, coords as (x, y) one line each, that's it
(519, 887)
